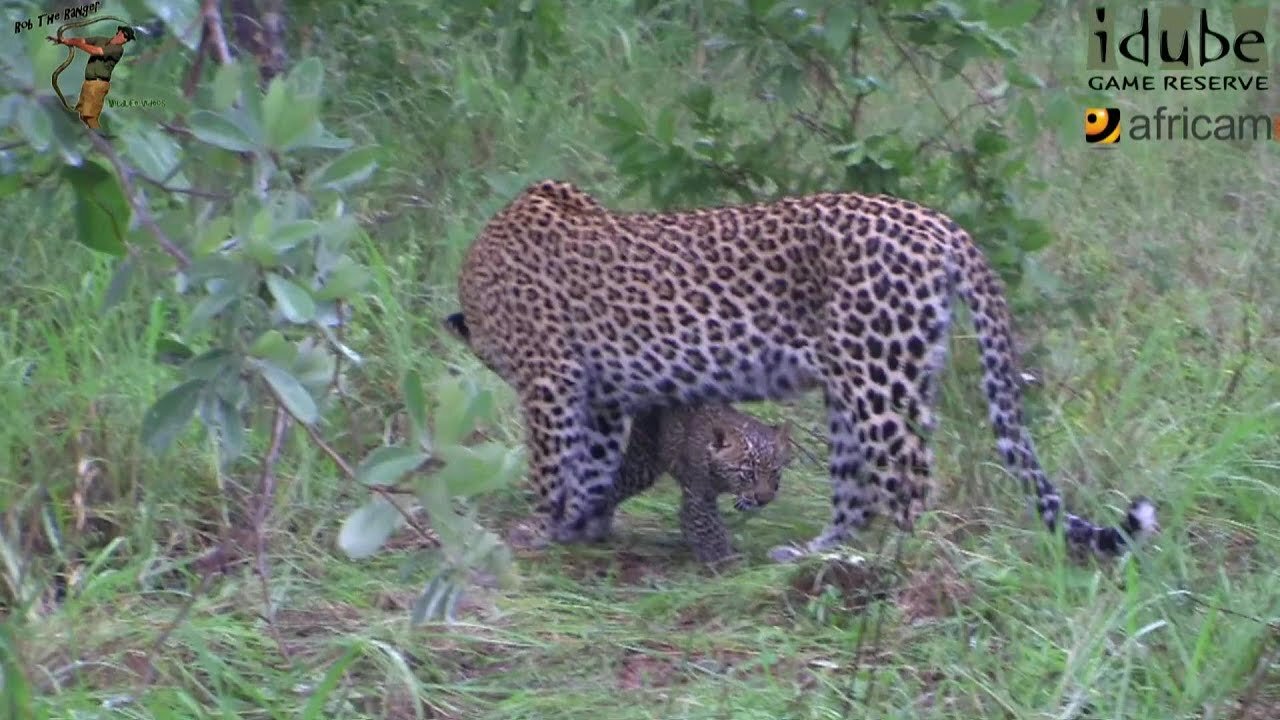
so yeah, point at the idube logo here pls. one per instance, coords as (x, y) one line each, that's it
(1183, 39)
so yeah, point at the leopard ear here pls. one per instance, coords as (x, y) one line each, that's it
(457, 324)
(719, 439)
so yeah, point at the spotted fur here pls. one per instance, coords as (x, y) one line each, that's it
(709, 450)
(594, 315)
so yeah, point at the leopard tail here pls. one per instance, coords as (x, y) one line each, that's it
(982, 291)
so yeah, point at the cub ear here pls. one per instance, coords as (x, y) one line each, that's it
(783, 432)
(782, 441)
(457, 324)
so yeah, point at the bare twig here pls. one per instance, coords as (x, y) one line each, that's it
(158, 644)
(212, 13)
(390, 496)
(206, 194)
(197, 67)
(266, 500)
(1246, 355)
(338, 353)
(337, 459)
(387, 494)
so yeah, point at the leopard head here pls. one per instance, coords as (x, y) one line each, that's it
(749, 459)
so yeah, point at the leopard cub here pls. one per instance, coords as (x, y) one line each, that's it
(709, 450)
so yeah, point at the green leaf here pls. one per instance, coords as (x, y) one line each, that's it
(350, 168)
(286, 118)
(181, 17)
(210, 307)
(306, 79)
(790, 83)
(336, 235)
(220, 131)
(169, 416)
(273, 347)
(318, 137)
(454, 399)
(290, 392)
(839, 29)
(217, 267)
(432, 597)
(119, 285)
(367, 529)
(102, 213)
(322, 694)
(477, 469)
(343, 280)
(172, 351)
(1014, 13)
(10, 184)
(210, 364)
(314, 365)
(35, 125)
(1034, 236)
(628, 113)
(415, 404)
(699, 101)
(293, 300)
(287, 236)
(665, 129)
(153, 151)
(68, 134)
(226, 85)
(227, 426)
(386, 465)
(1065, 116)
(213, 234)
(1018, 77)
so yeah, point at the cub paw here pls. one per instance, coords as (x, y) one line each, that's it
(719, 561)
(529, 535)
(786, 553)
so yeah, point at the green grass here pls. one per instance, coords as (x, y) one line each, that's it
(1157, 342)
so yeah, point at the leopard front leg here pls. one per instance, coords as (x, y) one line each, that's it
(879, 459)
(852, 505)
(703, 528)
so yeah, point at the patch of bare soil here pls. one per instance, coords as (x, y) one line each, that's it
(642, 670)
(934, 593)
(657, 666)
(626, 567)
(858, 582)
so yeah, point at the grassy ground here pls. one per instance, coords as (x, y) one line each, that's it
(1157, 348)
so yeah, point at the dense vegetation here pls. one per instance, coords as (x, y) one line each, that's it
(246, 473)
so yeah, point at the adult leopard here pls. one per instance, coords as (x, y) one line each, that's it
(594, 315)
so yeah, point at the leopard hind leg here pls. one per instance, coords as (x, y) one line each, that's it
(591, 500)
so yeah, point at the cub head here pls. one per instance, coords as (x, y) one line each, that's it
(748, 458)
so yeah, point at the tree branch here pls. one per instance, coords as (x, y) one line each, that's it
(138, 201)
